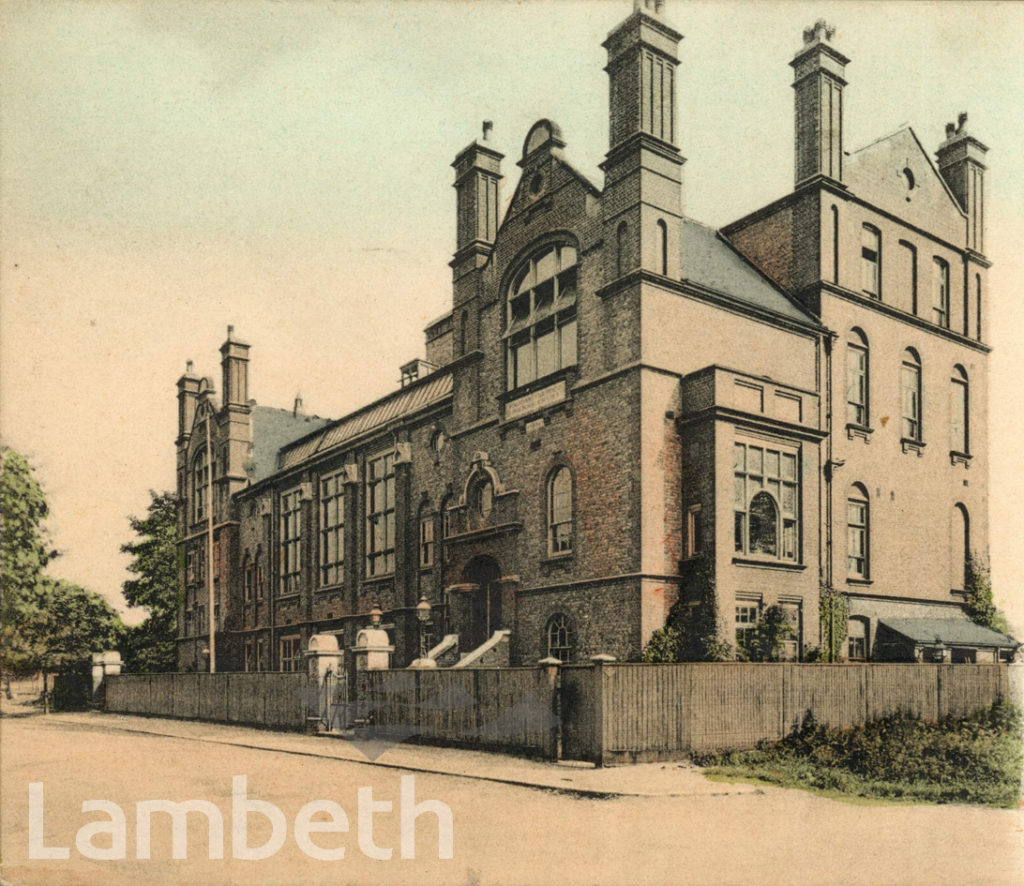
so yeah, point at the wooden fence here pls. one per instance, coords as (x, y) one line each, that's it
(510, 709)
(619, 712)
(275, 700)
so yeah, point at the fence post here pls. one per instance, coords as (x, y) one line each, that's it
(599, 736)
(549, 679)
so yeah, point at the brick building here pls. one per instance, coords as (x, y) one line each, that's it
(617, 392)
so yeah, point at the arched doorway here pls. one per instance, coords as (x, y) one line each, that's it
(485, 611)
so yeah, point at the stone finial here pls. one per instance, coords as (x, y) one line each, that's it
(488, 126)
(819, 32)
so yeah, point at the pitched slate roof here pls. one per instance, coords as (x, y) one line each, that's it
(273, 429)
(951, 631)
(435, 387)
(710, 260)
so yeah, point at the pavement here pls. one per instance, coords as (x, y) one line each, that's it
(675, 779)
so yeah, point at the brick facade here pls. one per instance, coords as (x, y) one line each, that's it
(599, 332)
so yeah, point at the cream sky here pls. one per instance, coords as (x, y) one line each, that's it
(170, 168)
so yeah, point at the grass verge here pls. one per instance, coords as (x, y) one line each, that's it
(975, 759)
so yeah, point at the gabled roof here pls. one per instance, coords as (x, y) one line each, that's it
(711, 261)
(434, 388)
(273, 429)
(950, 631)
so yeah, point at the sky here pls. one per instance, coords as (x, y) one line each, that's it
(169, 169)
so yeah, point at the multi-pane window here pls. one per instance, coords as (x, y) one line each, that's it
(857, 533)
(291, 654)
(261, 654)
(940, 292)
(746, 619)
(332, 529)
(541, 321)
(380, 515)
(291, 541)
(766, 495)
(856, 639)
(958, 412)
(910, 271)
(560, 639)
(910, 395)
(560, 512)
(200, 487)
(871, 260)
(694, 531)
(250, 656)
(426, 541)
(857, 379)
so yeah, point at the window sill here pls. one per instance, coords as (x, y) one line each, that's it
(854, 430)
(335, 588)
(291, 595)
(769, 564)
(915, 446)
(384, 576)
(960, 458)
(859, 582)
(558, 559)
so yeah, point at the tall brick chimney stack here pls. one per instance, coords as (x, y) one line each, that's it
(818, 79)
(962, 164)
(643, 196)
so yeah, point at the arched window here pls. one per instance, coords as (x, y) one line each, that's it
(857, 639)
(426, 537)
(871, 261)
(764, 525)
(482, 498)
(940, 292)
(662, 247)
(559, 507)
(446, 517)
(541, 321)
(910, 394)
(960, 549)
(463, 325)
(249, 577)
(621, 245)
(910, 271)
(977, 312)
(959, 412)
(766, 495)
(857, 378)
(258, 578)
(200, 486)
(835, 244)
(857, 532)
(560, 638)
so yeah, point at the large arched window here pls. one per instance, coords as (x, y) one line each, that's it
(857, 378)
(910, 395)
(559, 507)
(560, 638)
(766, 494)
(960, 549)
(541, 321)
(959, 412)
(857, 532)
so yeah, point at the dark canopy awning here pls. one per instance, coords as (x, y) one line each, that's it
(948, 631)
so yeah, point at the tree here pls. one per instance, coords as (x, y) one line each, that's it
(834, 612)
(979, 604)
(25, 551)
(151, 646)
(72, 622)
(764, 640)
(691, 632)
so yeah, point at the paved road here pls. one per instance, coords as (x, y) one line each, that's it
(502, 833)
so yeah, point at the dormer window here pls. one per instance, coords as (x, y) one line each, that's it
(541, 315)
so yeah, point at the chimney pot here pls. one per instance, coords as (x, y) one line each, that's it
(488, 126)
(188, 367)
